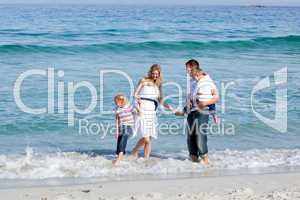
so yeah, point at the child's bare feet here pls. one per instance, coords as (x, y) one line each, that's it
(135, 154)
(119, 158)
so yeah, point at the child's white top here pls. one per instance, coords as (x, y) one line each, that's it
(203, 89)
(126, 115)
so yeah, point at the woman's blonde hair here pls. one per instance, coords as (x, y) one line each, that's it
(154, 67)
(121, 97)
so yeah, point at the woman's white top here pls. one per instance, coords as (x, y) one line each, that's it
(150, 91)
(146, 121)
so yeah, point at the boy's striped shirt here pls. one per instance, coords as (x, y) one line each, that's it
(126, 115)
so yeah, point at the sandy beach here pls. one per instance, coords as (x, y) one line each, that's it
(262, 186)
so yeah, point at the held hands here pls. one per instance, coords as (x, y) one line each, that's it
(138, 105)
(201, 105)
(171, 109)
(138, 101)
(179, 113)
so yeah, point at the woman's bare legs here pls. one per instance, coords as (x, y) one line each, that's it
(147, 147)
(135, 151)
(146, 142)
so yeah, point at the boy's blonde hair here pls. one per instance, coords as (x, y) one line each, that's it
(121, 97)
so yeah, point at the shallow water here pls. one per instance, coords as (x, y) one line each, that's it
(92, 165)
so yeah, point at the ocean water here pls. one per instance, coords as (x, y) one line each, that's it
(242, 45)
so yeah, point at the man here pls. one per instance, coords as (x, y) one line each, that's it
(197, 111)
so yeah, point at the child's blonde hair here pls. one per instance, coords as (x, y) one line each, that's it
(121, 97)
(197, 71)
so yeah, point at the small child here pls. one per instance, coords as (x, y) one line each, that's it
(124, 124)
(211, 108)
(204, 91)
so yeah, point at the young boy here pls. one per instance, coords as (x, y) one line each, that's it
(203, 92)
(124, 124)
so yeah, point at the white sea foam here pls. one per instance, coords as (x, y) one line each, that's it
(73, 164)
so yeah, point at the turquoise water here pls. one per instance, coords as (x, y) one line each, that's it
(240, 44)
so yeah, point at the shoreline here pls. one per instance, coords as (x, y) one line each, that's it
(77, 181)
(256, 186)
(209, 173)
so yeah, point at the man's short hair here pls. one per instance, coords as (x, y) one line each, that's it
(194, 63)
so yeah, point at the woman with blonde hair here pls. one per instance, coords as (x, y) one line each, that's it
(148, 95)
